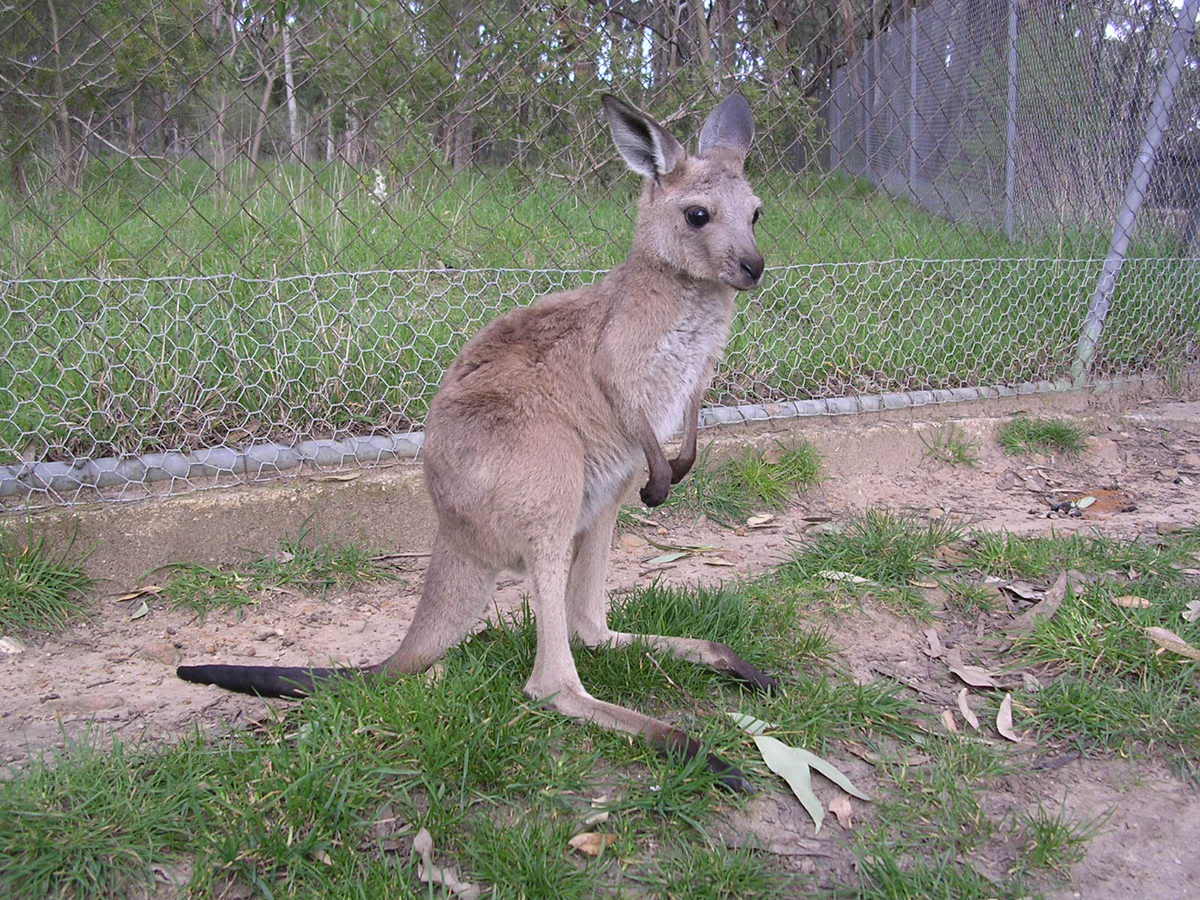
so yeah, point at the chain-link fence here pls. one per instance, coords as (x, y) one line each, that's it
(241, 238)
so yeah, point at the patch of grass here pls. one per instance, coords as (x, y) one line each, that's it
(1006, 554)
(717, 872)
(1025, 434)
(530, 852)
(882, 546)
(1114, 714)
(937, 806)
(968, 597)
(890, 551)
(886, 875)
(950, 444)
(297, 564)
(1055, 842)
(729, 491)
(40, 590)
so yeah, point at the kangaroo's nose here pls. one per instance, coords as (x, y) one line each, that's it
(753, 267)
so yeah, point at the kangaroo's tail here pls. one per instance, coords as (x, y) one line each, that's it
(264, 681)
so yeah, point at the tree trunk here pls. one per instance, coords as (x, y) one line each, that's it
(295, 144)
(66, 145)
(264, 105)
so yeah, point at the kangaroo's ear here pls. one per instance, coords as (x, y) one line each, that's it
(647, 147)
(729, 125)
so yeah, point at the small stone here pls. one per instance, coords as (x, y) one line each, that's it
(632, 542)
(162, 652)
(12, 645)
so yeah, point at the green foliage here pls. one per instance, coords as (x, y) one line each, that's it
(1025, 434)
(730, 490)
(297, 564)
(40, 589)
(951, 445)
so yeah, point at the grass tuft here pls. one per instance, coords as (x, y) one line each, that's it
(39, 590)
(297, 564)
(1036, 435)
(885, 547)
(1055, 842)
(729, 491)
(950, 444)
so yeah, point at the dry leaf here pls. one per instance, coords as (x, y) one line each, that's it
(935, 643)
(1004, 720)
(975, 676)
(665, 558)
(948, 720)
(346, 476)
(322, 857)
(139, 592)
(140, 610)
(596, 819)
(971, 718)
(1030, 682)
(591, 843)
(760, 521)
(1169, 640)
(717, 561)
(833, 575)
(841, 807)
(1051, 601)
(444, 876)
(925, 585)
(1024, 590)
(1192, 612)
(1129, 601)
(12, 645)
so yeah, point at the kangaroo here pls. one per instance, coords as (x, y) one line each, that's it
(542, 422)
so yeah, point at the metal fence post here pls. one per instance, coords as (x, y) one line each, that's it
(912, 102)
(1135, 192)
(1010, 130)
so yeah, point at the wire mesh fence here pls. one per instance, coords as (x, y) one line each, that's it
(243, 239)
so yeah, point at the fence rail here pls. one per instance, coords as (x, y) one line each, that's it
(945, 185)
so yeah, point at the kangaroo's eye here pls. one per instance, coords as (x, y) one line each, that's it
(754, 220)
(697, 216)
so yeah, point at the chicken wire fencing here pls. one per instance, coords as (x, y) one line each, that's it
(242, 240)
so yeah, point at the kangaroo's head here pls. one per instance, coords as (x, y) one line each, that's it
(697, 213)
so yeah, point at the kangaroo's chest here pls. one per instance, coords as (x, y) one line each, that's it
(679, 361)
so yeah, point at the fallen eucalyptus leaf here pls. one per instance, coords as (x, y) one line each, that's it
(1051, 600)
(139, 592)
(794, 770)
(591, 843)
(1024, 590)
(448, 878)
(841, 807)
(759, 521)
(596, 819)
(1192, 612)
(1169, 640)
(975, 676)
(834, 575)
(667, 558)
(346, 476)
(12, 645)
(1004, 720)
(948, 720)
(1030, 682)
(971, 718)
(750, 724)
(717, 561)
(140, 610)
(1084, 502)
(1129, 601)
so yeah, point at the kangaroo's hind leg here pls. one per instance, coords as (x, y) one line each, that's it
(587, 608)
(456, 593)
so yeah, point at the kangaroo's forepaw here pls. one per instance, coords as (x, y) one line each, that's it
(654, 494)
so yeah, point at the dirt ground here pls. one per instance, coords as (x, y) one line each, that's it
(118, 675)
